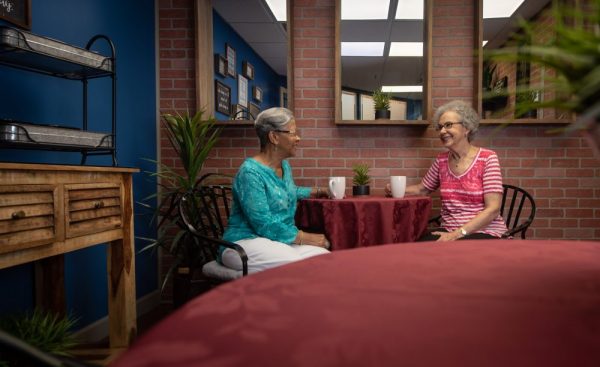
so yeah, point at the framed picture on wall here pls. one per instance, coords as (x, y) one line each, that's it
(222, 98)
(238, 112)
(248, 70)
(242, 90)
(254, 110)
(220, 65)
(17, 12)
(230, 56)
(257, 94)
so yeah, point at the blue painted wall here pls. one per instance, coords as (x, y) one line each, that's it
(43, 99)
(264, 77)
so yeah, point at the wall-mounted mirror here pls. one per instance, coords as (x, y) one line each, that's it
(247, 70)
(498, 82)
(382, 45)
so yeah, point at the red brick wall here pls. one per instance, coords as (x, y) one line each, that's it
(560, 171)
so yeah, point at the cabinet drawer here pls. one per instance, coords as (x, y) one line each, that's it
(92, 208)
(28, 216)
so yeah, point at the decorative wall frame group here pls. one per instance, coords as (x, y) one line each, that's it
(230, 56)
(222, 98)
(242, 90)
(248, 70)
(17, 12)
(220, 65)
(257, 94)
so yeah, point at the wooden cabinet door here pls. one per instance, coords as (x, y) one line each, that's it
(28, 216)
(92, 208)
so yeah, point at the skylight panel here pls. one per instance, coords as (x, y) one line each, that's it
(402, 88)
(409, 9)
(361, 9)
(500, 9)
(406, 49)
(362, 48)
(278, 8)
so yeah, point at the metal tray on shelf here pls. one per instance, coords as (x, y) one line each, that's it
(19, 47)
(16, 132)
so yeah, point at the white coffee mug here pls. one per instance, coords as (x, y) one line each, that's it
(337, 187)
(398, 184)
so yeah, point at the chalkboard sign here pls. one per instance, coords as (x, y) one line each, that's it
(222, 97)
(17, 12)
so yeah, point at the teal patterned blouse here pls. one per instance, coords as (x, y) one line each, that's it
(264, 204)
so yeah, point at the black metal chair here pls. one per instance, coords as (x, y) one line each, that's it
(204, 211)
(517, 210)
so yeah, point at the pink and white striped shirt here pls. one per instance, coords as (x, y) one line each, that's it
(462, 196)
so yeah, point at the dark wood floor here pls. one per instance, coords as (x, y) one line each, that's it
(99, 354)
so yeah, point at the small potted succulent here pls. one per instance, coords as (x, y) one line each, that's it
(382, 104)
(360, 180)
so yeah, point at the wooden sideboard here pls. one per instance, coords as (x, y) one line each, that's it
(49, 210)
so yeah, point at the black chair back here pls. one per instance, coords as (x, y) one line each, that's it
(204, 212)
(518, 210)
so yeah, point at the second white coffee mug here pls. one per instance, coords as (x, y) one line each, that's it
(398, 184)
(337, 187)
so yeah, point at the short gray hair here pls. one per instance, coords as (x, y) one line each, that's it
(469, 117)
(270, 120)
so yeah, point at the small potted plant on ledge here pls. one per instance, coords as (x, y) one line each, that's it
(361, 179)
(382, 104)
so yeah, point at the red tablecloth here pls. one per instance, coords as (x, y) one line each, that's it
(469, 303)
(365, 221)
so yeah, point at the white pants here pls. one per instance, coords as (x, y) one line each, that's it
(264, 254)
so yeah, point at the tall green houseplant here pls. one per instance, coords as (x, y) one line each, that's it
(192, 137)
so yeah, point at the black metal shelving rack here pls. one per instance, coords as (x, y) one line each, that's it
(26, 57)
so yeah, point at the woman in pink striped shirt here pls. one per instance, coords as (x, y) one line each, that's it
(469, 179)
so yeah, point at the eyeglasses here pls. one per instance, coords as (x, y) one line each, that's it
(295, 133)
(446, 125)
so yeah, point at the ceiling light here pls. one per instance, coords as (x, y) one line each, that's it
(361, 9)
(402, 88)
(278, 9)
(500, 9)
(362, 48)
(409, 9)
(406, 49)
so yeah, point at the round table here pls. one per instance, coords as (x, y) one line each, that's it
(468, 303)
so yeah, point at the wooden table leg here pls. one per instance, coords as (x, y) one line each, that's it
(50, 284)
(121, 285)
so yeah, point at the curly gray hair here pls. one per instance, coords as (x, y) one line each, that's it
(270, 120)
(469, 117)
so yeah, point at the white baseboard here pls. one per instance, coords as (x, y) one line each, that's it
(98, 330)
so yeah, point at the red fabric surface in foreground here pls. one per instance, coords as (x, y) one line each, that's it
(469, 303)
(365, 221)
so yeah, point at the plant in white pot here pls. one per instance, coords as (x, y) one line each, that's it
(382, 104)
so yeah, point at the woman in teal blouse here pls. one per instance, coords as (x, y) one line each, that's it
(265, 198)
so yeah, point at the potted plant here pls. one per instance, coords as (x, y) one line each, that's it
(361, 179)
(382, 104)
(494, 89)
(525, 103)
(573, 52)
(192, 137)
(46, 331)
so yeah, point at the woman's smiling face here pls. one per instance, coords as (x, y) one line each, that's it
(451, 130)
